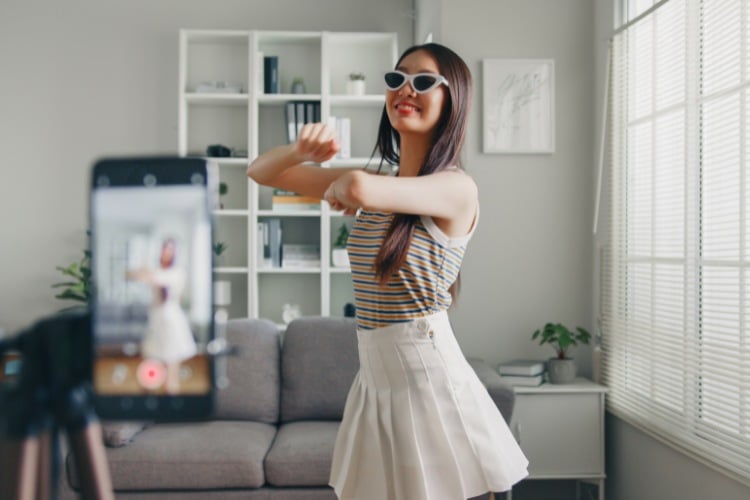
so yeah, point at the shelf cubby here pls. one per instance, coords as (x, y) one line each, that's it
(251, 122)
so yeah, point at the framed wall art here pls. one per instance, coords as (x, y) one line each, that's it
(519, 106)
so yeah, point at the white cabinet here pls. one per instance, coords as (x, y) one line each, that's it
(236, 113)
(561, 430)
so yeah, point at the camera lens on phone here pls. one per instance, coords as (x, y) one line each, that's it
(149, 180)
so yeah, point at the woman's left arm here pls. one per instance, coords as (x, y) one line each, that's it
(450, 197)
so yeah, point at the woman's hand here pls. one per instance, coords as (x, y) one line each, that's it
(341, 193)
(317, 143)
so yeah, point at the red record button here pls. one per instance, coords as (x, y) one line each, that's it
(151, 374)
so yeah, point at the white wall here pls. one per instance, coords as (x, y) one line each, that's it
(530, 261)
(639, 466)
(82, 79)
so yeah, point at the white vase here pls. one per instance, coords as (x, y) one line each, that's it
(355, 87)
(222, 293)
(339, 257)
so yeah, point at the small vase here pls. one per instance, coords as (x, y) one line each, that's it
(298, 88)
(339, 257)
(355, 87)
(561, 371)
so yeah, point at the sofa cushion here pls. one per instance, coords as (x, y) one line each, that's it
(301, 454)
(190, 456)
(319, 359)
(254, 373)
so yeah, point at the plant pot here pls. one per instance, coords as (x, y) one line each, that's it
(339, 257)
(561, 371)
(355, 87)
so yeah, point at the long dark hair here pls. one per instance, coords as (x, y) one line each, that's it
(447, 141)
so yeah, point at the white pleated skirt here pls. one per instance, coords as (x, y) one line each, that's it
(418, 424)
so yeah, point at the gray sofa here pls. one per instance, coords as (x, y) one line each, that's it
(273, 432)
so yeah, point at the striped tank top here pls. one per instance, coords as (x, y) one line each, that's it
(419, 288)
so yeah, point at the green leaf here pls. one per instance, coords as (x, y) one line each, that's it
(68, 283)
(78, 288)
(70, 295)
(560, 337)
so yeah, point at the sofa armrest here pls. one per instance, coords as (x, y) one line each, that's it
(500, 392)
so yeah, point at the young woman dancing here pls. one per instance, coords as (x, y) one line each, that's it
(418, 424)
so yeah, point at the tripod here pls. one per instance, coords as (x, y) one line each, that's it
(51, 392)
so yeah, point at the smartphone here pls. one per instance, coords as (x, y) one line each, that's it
(151, 264)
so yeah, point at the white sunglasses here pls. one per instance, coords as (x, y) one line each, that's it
(420, 82)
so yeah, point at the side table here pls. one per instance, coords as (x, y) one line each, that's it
(560, 428)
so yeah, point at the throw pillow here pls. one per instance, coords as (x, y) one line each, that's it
(118, 434)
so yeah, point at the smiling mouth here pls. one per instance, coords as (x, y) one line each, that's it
(406, 107)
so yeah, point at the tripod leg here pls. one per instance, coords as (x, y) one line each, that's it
(91, 462)
(44, 466)
(19, 460)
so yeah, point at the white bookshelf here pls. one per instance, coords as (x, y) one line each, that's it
(251, 122)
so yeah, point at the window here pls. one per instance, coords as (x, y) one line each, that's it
(675, 290)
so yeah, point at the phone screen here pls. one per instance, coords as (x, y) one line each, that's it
(152, 274)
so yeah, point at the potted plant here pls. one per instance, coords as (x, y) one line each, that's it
(219, 248)
(356, 84)
(298, 85)
(223, 189)
(78, 285)
(339, 257)
(561, 369)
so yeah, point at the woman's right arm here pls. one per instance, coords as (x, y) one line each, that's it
(283, 167)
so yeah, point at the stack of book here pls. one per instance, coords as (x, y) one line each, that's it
(294, 256)
(526, 372)
(286, 201)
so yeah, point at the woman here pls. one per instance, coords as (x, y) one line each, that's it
(168, 337)
(418, 424)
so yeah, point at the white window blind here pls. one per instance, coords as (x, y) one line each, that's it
(675, 289)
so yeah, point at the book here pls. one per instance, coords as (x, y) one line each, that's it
(264, 245)
(287, 200)
(274, 241)
(310, 112)
(291, 125)
(523, 380)
(299, 116)
(342, 126)
(527, 367)
(297, 256)
(271, 74)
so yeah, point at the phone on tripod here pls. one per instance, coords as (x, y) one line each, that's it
(152, 309)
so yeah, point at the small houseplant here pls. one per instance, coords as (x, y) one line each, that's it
(223, 190)
(356, 84)
(339, 257)
(78, 285)
(298, 85)
(561, 369)
(219, 248)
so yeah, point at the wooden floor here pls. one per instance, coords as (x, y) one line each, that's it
(116, 375)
